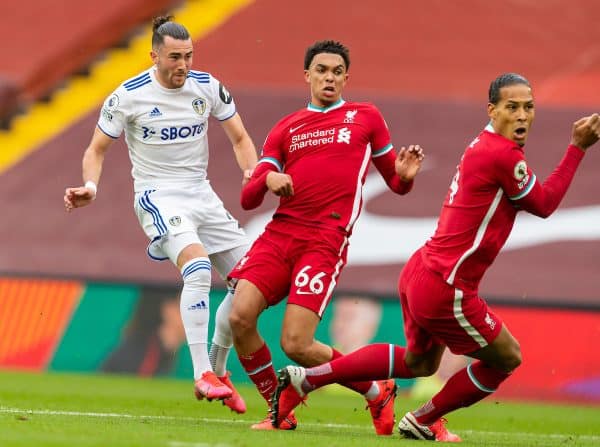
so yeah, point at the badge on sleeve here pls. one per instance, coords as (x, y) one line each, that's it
(112, 103)
(520, 170)
(224, 94)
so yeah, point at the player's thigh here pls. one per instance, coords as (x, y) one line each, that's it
(317, 266)
(182, 248)
(503, 352)
(218, 230)
(460, 320)
(163, 213)
(224, 261)
(265, 266)
(419, 340)
(474, 326)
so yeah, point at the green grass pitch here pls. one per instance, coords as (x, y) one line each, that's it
(92, 410)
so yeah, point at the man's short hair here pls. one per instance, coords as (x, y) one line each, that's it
(326, 46)
(164, 26)
(504, 80)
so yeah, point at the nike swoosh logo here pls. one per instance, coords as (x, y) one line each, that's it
(301, 292)
(294, 129)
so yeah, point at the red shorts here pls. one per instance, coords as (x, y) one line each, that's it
(297, 261)
(438, 313)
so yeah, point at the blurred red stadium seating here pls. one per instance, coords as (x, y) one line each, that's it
(45, 42)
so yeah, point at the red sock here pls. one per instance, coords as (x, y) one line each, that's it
(359, 387)
(467, 386)
(259, 367)
(371, 362)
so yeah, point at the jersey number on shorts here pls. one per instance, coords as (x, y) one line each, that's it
(315, 285)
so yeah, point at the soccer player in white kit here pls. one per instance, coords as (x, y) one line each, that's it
(164, 114)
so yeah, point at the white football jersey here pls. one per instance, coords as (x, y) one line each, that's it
(166, 129)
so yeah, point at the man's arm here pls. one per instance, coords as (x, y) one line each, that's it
(543, 199)
(400, 170)
(265, 178)
(243, 147)
(93, 158)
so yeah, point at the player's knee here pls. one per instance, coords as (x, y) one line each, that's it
(422, 367)
(241, 321)
(512, 359)
(238, 322)
(222, 335)
(296, 347)
(196, 275)
(246, 306)
(506, 357)
(194, 300)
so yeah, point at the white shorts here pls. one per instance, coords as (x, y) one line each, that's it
(196, 209)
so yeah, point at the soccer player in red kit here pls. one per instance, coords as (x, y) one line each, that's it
(439, 284)
(316, 160)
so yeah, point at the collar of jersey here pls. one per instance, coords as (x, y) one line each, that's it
(333, 106)
(489, 128)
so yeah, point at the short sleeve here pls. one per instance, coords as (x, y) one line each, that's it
(514, 175)
(224, 105)
(113, 115)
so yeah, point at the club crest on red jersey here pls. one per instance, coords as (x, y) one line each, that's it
(350, 114)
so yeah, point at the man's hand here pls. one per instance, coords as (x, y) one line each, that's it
(586, 131)
(408, 162)
(280, 184)
(78, 197)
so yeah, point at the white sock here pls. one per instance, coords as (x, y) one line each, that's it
(199, 353)
(195, 311)
(218, 359)
(222, 338)
(373, 391)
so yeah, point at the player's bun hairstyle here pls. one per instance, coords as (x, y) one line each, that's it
(163, 26)
(504, 80)
(326, 46)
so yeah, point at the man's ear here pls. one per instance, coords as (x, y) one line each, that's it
(491, 111)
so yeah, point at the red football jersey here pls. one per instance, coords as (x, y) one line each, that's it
(479, 210)
(327, 152)
(491, 184)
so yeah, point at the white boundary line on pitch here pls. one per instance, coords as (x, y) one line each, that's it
(8, 410)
